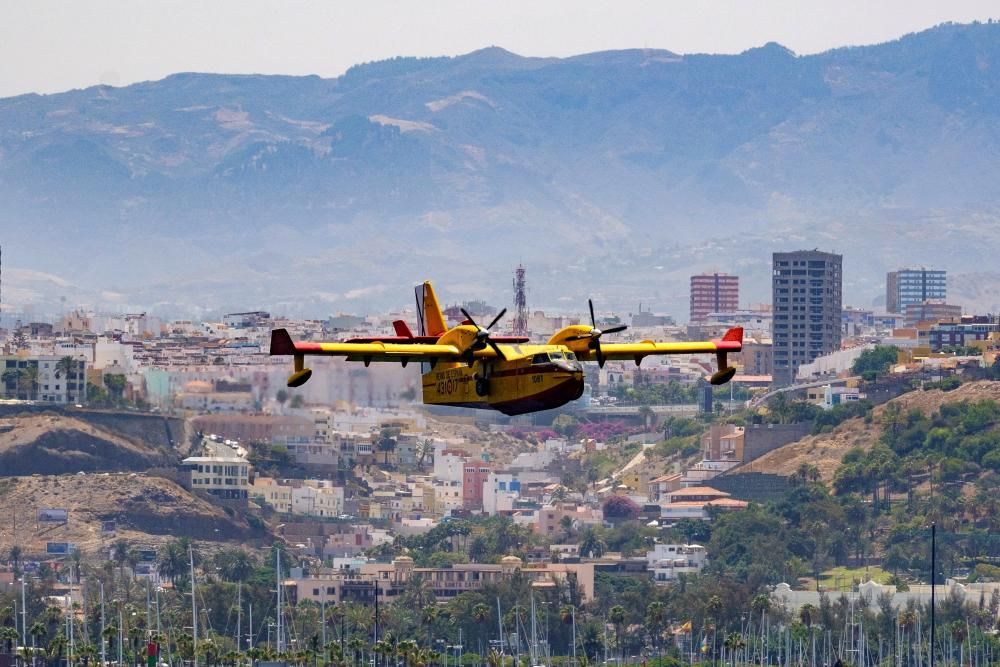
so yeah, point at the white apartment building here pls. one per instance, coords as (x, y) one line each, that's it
(667, 561)
(449, 464)
(221, 476)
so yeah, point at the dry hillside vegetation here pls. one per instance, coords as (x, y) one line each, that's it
(148, 511)
(51, 444)
(826, 450)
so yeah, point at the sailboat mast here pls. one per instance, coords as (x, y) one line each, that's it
(194, 608)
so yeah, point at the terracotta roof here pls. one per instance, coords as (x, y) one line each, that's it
(699, 491)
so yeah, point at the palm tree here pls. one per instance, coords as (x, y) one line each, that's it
(9, 635)
(14, 557)
(65, 368)
(235, 564)
(11, 378)
(119, 554)
(37, 632)
(28, 381)
(656, 615)
(494, 658)
(172, 560)
(428, 616)
(617, 617)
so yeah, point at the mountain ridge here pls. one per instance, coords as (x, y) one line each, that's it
(594, 170)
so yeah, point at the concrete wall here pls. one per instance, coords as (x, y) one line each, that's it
(759, 439)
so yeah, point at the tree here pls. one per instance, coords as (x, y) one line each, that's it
(28, 381)
(235, 564)
(656, 616)
(621, 507)
(65, 369)
(14, 557)
(616, 615)
(387, 441)
(591, 543)
(875, 361)
(281, 396)
(566, 523)
(11, 379)
(115, 383)
(120, 554)
(297, 402)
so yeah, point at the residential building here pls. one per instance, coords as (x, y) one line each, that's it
(667, 561)
(713, 293)
(961, 333)
(475, 474)
(806, 292)
(43, 378)
(930, 311)
(335, 586)
(226, 477)
(909, 286)
(757, 357)
(254, 318)
(695, 502)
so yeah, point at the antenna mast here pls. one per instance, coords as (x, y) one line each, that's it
(520, 326)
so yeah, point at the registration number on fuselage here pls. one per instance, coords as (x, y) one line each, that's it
(452, 381)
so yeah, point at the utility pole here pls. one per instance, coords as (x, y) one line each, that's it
(194, 608)
(104, 641)
(239, 615)
(933, 587)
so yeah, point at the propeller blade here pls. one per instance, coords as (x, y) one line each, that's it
(469, 317)
(600, 355)
(620, 327)
(497, 318)
(496, 348)
(593, 320)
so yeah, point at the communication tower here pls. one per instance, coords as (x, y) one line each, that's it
(520, 326)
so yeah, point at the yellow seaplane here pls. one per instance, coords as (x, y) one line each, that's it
(468, 366)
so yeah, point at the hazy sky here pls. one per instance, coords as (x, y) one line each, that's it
(48, 46)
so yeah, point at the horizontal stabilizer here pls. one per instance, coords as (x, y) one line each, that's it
(402, 329)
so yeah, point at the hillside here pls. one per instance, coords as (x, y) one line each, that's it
(239, 191)
(826, 450)
(53, 444)
(148, 511)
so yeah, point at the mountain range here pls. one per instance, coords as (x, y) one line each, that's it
(614, 175)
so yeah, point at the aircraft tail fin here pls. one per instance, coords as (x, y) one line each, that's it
(733, 335)
(281, 342)
(430, 319)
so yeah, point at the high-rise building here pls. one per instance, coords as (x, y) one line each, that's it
(907, 286)
(713, 293)
(807, 289)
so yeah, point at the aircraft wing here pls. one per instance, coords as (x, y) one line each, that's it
(367, 352)
(373, 350)
(732, 341)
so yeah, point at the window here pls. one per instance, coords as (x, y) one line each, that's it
(540, 359)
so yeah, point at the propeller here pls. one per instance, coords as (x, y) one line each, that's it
(595, 335)
(483, 334)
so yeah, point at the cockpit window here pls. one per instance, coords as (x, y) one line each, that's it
(540, 359)
(556, 356)
(570, 356)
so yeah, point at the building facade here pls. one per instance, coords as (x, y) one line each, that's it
(807, 292)
(713, 293)
(907, 286)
